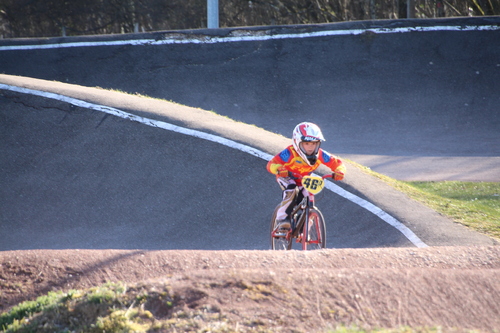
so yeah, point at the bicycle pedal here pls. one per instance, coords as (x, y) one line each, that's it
(278, 233)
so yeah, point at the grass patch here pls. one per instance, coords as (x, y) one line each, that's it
(111, 308)
(65, 312)
(107, 308)
(475, 205)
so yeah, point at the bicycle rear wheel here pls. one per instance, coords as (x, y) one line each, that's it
(314, 232)
(279, 240)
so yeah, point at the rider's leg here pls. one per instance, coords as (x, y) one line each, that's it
(299, 195)
(289, 193)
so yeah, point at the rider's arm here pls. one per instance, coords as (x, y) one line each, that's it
(273, 167)
(278, 162)
(334, 163)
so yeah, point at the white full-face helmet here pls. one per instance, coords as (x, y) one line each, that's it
(307, 132)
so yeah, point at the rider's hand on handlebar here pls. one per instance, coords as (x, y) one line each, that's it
(282, 172)
(337, 175)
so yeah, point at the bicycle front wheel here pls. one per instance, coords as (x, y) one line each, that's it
(314, 232)
(279, 239)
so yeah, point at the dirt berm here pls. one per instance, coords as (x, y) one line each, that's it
(455, 288)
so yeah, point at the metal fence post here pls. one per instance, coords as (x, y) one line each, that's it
(213, 14)
(410, 9)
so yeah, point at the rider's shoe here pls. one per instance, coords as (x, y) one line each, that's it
(283, 224)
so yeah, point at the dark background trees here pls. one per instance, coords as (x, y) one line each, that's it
(48, 18)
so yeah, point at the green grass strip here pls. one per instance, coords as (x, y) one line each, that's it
(475, 205)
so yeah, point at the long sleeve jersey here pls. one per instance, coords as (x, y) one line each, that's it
(292, 161)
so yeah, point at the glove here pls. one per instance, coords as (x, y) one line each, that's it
(282, 172)
(338, 175)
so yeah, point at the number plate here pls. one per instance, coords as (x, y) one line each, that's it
(313, 184)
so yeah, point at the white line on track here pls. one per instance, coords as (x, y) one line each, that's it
(205, 39)
(229, 143)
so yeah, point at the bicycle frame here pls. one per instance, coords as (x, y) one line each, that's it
(305, 217)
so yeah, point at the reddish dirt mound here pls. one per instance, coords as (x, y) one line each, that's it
(451, 287)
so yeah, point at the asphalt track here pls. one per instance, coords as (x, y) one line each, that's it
(76, 178)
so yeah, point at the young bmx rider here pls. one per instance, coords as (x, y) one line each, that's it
(302, 157)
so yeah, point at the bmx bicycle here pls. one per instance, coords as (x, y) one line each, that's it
(307, 223)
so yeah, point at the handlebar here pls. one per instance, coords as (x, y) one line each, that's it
(299, 176)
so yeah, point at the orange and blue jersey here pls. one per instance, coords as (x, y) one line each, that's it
(292, 161)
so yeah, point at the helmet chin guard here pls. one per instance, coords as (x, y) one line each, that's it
(307, 132)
